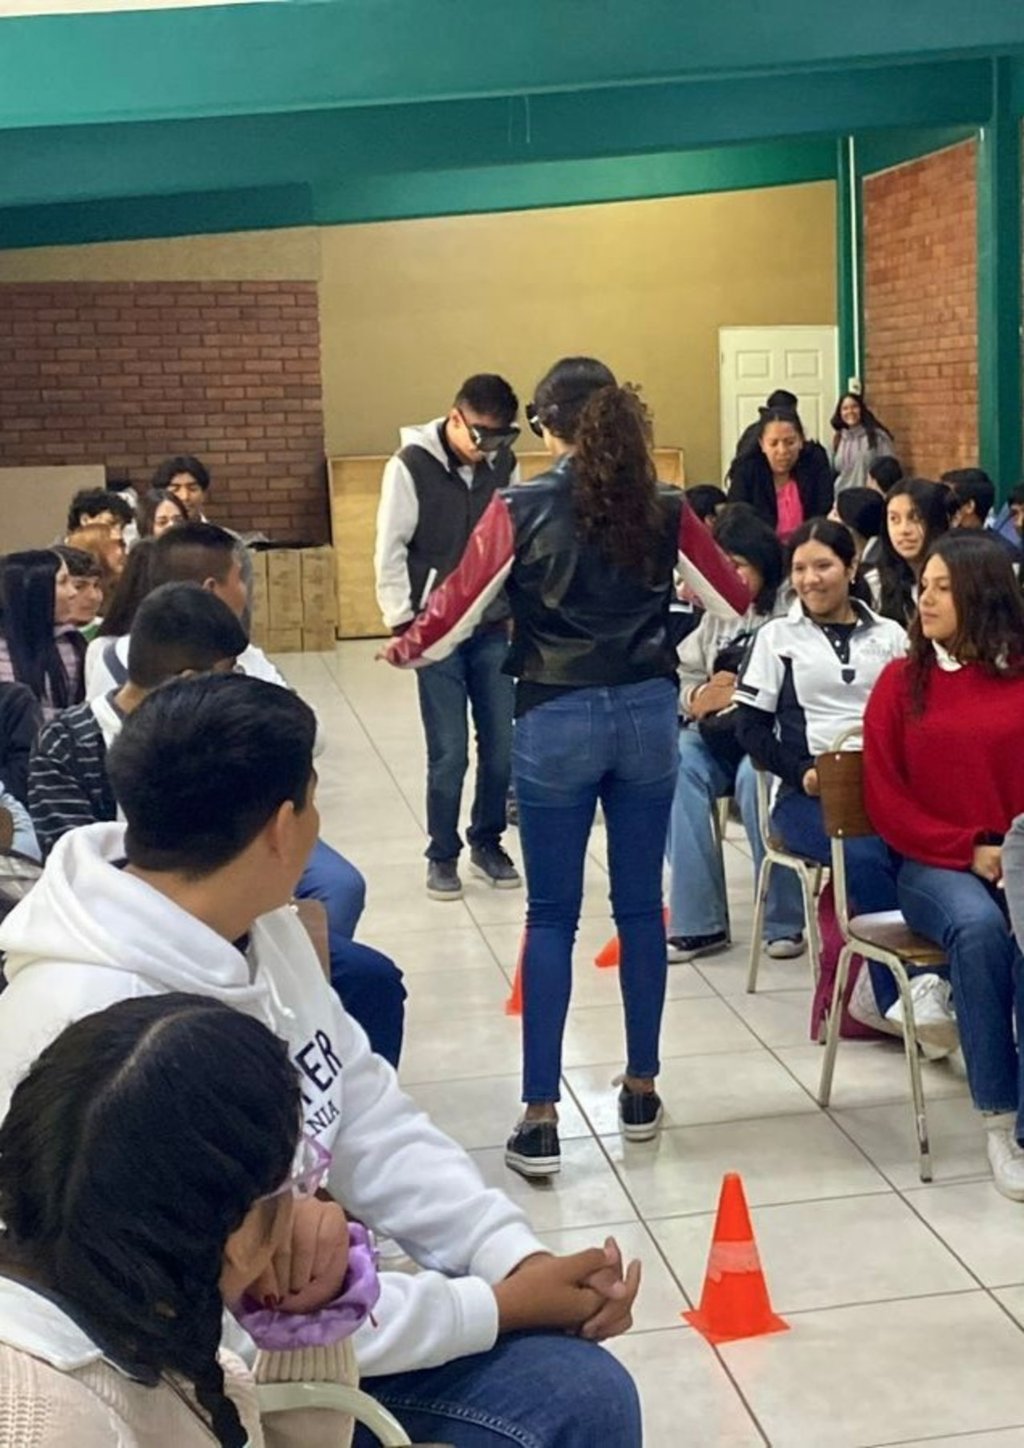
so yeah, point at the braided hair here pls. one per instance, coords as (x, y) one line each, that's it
(132, 1150)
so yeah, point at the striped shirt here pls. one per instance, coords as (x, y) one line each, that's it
(67, 776)
(71, 652)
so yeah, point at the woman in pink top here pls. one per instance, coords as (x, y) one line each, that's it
(39, 646)
(787, 480)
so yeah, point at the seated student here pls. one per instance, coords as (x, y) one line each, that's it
(150, 1164)
(215, 777)
(807, 680)
(711, 764)
(87, 581)
(861, 509)
(708, 501)
(158, 510)
(107, 547)
(975, 495)
(205, 554)
(944, 778)
(883, 474)
(786, 479)
(184, 629)
(20, 721)
(16, 828)
(39, 646)
(131, 588)
(186, 479)
(916, 514)
(99, 506)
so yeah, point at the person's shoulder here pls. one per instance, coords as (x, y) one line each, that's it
(44, 1406)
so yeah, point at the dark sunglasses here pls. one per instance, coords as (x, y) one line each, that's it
(491, 439)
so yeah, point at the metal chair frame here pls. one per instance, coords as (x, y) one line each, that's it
(809, 873)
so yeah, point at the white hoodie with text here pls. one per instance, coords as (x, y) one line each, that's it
(90, 934)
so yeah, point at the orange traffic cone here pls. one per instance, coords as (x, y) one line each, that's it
(609, 953)
(734, 1302)
(514, 1004)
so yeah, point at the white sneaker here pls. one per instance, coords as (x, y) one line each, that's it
(786, 947)
(1004, 1155)
(934, 1017)
(864, 1008)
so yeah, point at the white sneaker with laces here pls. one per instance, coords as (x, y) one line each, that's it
(864, 1008)
(1005, 1157)
(934, 1017)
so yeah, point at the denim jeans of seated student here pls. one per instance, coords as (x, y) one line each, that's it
(532, 1390)
(369, 986)
(697, 898)
(470, 679)
(337, 884)
(617, 745)
(967, 917)
(870, 870)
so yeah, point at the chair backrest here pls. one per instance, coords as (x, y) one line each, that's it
(841, 782)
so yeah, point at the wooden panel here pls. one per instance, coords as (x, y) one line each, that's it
(355, 492)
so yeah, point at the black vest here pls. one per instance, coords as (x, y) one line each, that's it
(449, 510)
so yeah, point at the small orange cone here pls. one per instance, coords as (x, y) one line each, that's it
(609, 953)
(734, 1303)
(514, 1004)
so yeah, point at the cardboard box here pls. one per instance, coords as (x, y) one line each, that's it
(318, 640)
(319, 598)
(284, 588)
(259, 602)
(283, 641)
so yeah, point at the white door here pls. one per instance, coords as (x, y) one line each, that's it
(756, 360)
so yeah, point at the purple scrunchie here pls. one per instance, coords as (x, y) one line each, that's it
(279, 1331)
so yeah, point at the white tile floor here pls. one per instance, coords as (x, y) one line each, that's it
(906, 1302)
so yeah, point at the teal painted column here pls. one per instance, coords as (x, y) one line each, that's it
(999, 287)
(849, 263)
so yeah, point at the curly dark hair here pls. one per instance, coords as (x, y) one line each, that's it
(616, 494)
(989, 612)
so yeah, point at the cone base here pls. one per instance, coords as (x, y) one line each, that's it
(768, 1325)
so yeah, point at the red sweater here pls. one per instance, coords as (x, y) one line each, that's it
(937, 783)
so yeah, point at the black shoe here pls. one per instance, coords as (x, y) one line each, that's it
(443, 881)
(533, 1151)
(640, 1114)
(688, 947)
(491, 862)
(512, 810)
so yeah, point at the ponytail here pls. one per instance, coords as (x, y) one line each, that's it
(616, 492)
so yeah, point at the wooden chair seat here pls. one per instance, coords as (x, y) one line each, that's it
(889, 931)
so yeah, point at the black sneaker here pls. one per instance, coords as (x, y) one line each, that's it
(443, 881)
(533, 1151)
(640, 1114)
(491, 862)
(512, 810)
(688, 947)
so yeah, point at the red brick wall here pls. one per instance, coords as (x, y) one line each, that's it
(920, 255)
(126, 373)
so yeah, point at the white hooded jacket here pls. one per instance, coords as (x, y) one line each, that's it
(90, 934)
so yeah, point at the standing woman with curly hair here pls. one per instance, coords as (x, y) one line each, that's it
(858, 441)
(944, 779)
(587, 553)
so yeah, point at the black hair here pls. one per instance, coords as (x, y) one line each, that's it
(896, 577)
(788, 401)
(92, 502)
(203, 764)
(489, 396)
(861, 509)
(192, 552)
(887, 472)
(972, 485)
(705, 499)
(823, 530)
(181, 627)
(868, 421)
(129, 590)
(148, 504)
(182, 463)
(1016, 495)
(564, 391)
(136, 1145)
(741, 532)
(779, 414)
(28, 620)
(81, 563)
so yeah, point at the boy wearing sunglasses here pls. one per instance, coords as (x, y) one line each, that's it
(434, 492)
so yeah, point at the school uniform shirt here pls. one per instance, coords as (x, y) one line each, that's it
(804, 683)
(89, 934)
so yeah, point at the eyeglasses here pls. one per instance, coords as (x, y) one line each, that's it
(308, 1173)
(533, 418)
(490, 439)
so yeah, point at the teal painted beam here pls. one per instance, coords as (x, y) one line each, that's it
(158, 64)
(326, 148)
(849, 261)
(442, 193)
(881, 150)
(999, 288)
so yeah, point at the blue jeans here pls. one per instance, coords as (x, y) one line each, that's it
(337, 884)
(369, 986)
(532, 1390)
(617, 745)
(960, 912)
(697, 900)
(870, 870)
(471, 676)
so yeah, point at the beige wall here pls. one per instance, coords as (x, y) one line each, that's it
(410, 308)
